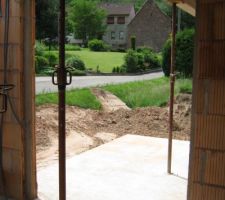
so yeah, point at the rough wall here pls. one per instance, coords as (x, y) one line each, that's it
(207, 158)
(150, 26)
(19, 165)
(117, 28)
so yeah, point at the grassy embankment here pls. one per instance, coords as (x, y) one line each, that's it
(134, 94)
(82, 98)
(148, 93)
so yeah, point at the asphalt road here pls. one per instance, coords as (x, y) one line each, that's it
(44, 84)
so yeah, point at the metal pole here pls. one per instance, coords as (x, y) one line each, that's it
(61, 76)
(172, 84)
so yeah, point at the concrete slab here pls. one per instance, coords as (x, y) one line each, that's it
(129, 168)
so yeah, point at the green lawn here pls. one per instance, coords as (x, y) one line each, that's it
(80, 97)
(148, 93)
(105, 60)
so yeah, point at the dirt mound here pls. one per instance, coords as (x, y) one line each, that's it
(88, 128)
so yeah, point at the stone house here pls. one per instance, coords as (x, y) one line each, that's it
(150, 26)
(118, 17)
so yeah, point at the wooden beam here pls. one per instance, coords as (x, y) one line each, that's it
(186, 5)
(29, 106)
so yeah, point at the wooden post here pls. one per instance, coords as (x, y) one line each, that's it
(19, 152)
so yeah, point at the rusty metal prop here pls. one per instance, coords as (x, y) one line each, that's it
(61, 74)
(172, 84)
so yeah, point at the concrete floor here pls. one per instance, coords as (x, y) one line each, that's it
(129, 168)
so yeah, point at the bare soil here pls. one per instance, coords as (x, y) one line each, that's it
(87, 129)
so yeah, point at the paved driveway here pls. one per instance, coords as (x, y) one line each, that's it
(44, 84)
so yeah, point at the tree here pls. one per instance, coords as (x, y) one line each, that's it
(87, 19)
(47, 19)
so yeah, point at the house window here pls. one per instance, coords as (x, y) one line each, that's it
(121, 36)
(121, 20)
(110, 20)
(113, 35)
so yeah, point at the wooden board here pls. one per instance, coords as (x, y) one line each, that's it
(18, 138)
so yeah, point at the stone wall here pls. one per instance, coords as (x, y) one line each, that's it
(150, 26)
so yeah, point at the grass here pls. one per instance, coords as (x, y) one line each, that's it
(148, 93)
(105, 60)
(80, 97)
(135, 94)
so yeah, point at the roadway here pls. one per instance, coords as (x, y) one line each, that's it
(44, 84)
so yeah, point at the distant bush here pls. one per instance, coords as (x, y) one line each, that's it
(46, 72)
(71, 47)
(151, 60)
(39, 48)
(132, 62)
(141, 60)
(75, 63)
(118, 70)
(184, 53)
(41, 63)
(144, 49)
(98, 45)
(166, 57)
(133, 42)
(114, 70)
(98, 69)
(44, 59)
(52, 58)
(77, 72)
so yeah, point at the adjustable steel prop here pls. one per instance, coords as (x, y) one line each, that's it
(61, 74)
(172, 84)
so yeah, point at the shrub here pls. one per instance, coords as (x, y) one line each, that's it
(97, 45)
(133, 42)
(184, 53)
(46, 72)
(77, 72)
(39, 48)
(75, 62)
(151, 60)
(71, 47)
(140, 60)
(166, 57)
(132, 61)
(52, 58)
(122, 69)
(117, 69)
(98, 69)
(144, 49)
(41, 63)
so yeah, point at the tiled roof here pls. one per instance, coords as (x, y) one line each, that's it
(117, 9)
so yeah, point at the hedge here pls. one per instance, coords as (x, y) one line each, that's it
(184, 53)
